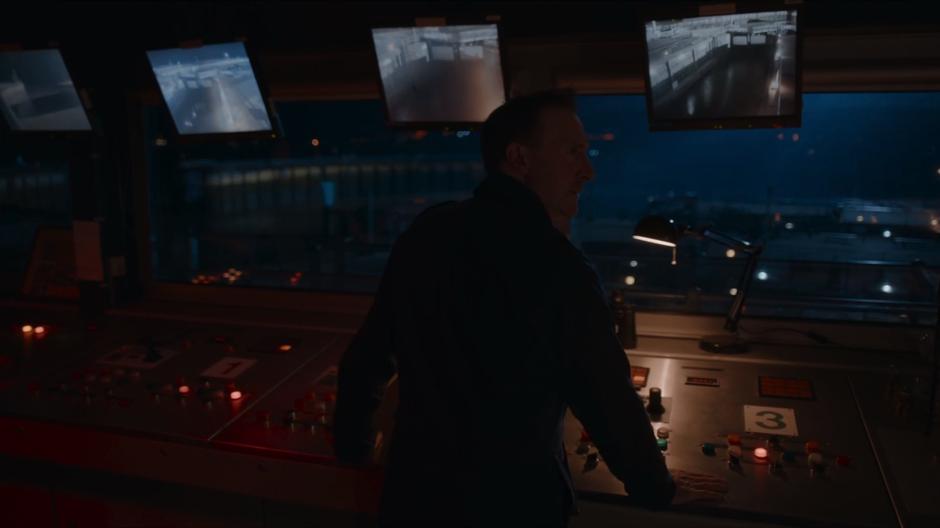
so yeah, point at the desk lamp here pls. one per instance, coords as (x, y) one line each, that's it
(661, 231)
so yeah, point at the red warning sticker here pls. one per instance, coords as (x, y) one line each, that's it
(639, 375)
(793, 388)
(705, 382)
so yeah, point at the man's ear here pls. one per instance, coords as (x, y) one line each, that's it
(516, 158)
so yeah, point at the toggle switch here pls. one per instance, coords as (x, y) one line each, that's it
(816, 464)
(734, 456)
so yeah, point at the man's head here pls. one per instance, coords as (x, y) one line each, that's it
(538, 140)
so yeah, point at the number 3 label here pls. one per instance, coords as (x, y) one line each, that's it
(770, 420)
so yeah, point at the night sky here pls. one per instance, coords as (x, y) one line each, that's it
(875, 146)
(872, 146)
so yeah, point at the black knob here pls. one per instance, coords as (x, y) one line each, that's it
(655, 405)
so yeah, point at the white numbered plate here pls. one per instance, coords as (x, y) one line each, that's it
(778, 421)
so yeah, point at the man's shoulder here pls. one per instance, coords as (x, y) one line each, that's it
(435, 217)
(575, 264)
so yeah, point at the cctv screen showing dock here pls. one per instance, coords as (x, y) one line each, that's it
(210, 89)
(735, 66)
(441, 74)
(37, 93)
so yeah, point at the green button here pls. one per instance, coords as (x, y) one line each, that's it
(662, 443)
(708, 449)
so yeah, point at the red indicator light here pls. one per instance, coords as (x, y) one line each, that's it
(39, 330)
(235, 395)
(285, 348)
(184, 389)
(27, 329)
(760, 453)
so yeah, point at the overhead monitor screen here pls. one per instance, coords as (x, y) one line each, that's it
(443, 74)
(211, 89)
(712, 68)
(37, 94)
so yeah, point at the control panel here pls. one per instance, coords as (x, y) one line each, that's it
(171, 380)
(296, 418)
(789, 441)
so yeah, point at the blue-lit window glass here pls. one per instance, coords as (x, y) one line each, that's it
(34, 192)
(843, 205)
(317, 209)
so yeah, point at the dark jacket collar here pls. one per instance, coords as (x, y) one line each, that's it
(507, 190)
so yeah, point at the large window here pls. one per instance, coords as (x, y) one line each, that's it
(34, 192)
(318, 209)
(843, 205)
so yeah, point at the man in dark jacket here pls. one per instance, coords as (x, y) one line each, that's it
(495, 324)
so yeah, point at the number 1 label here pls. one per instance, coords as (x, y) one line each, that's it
(770, 420)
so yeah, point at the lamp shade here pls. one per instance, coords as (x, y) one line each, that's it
(657, 230)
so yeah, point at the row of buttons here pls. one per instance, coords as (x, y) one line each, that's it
(774, 453)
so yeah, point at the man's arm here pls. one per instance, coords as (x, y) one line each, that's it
(600, 393)
(365, 370)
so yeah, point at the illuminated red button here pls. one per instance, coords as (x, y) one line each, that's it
(183, 389)
(39, 330)
(812, 447)
(235, 395)
(27, 329)
(760, 453)
(285, 348)
(843, 461)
